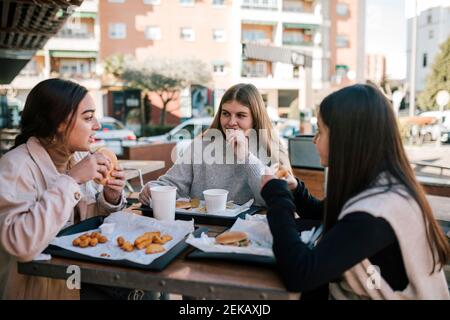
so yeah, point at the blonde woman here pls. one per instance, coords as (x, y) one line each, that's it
(240, 130)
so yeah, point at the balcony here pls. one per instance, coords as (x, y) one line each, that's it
(298, 6)
(260, 4)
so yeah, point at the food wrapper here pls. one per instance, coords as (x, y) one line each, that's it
(129, 226)
(232, 209)
(258, 232)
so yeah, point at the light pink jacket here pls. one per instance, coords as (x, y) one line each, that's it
(36, 202)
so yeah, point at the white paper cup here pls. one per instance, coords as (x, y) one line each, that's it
(163, 202)
(215, 200)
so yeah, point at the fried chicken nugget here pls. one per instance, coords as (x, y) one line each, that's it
(154, 248)
(127, 246)
(162, 240)
(141, 239)
(84, 243)
(96, 235)
(120, 241)
(76, 242)
(93, 242)
(143, 244)
(102, 239)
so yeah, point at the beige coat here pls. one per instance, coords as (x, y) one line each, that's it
(363, 281)
(36, 202)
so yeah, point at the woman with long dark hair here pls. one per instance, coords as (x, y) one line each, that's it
(380, 239)
(46, 183)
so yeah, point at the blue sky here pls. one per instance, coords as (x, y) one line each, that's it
(386, 34)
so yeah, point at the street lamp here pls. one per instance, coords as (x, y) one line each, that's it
(442, 99)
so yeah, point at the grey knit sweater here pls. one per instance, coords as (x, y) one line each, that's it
(192, 178)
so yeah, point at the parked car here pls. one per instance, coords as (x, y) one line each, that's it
(114, 135)
(183, 133)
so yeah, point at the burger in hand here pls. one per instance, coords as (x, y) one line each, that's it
(114, 162)
(233, 238)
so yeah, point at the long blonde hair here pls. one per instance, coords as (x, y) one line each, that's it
(248, 95)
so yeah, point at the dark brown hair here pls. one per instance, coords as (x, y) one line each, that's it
(364, 141)
(49, 103)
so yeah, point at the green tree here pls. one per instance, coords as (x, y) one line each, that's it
(165, 77)
(438, 79)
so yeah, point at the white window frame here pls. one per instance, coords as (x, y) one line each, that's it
(152, 2)
(221, 66)
(116, 1)
(192, 35)
(187, 3)
(149, 35)
(217, 5)
(222, 38)
(340, 8)
(112, 33)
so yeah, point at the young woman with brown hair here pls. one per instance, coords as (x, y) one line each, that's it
(46, 183)
(380, 239)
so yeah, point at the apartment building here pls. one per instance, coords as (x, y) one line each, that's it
(71, 54)
(433, 29)
(375, 67)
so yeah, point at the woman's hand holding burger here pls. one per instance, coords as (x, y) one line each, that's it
(102, 167)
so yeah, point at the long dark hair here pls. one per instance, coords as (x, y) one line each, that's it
(364, 141)
(49, 103)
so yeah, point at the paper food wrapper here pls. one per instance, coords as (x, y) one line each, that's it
(129, 226)
(255, 226)
(232, 209)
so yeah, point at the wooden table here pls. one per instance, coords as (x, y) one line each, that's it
(132, 167)
(194, 278)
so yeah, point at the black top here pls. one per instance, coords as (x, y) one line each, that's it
(354, 238)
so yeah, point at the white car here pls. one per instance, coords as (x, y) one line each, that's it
(183, 133)
(114, 135)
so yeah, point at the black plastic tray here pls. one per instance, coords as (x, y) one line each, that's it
(203, 218)
(93, 223)
(236, 257)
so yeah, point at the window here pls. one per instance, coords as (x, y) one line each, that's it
(117, 30)
(255, 69)
(152, 33)
(342, 41)
(187, 34)
(152, 2)
(425, 60)
(187, 2)
(219, 67)
(255, 36)
(218, 3)
(74, 67)
(431, 34)
(116, 1)
(342, 9)
(219, 35)
(429, 19)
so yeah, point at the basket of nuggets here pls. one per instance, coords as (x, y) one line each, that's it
(89, 240)
(152, 242)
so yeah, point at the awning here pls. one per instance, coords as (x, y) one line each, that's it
(276, 54)
(26, 25)
(86, 15)
(73, 54)
(300, 26)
